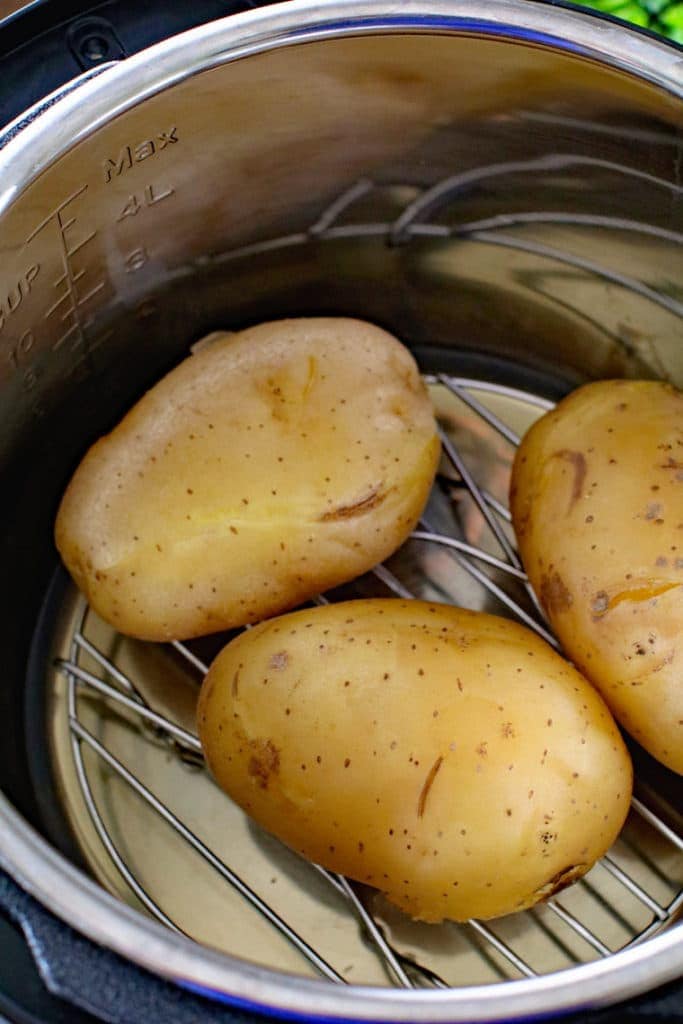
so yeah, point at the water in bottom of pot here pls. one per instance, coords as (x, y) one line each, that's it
(153, 828)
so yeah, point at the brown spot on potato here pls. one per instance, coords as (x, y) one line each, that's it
(358, 508)
(264, 762)
(559, 881)
(547, 839)
(578, 462)
(428, 783)
(554, 595)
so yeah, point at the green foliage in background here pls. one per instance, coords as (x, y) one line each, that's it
(663, 16)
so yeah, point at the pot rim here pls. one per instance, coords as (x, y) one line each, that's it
(27, 148)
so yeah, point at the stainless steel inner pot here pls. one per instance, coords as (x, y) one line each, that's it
(498, 183)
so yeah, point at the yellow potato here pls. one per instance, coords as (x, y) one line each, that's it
(449, 758)
(274, 463)
(597, 506)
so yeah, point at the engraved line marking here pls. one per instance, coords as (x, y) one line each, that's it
(79, 245)
(60, 341)
(152, 197)
(56, 305)
(62, 278)
(93, 291)
(102, 338)
(70, 282)
(58, 209)
(68, 223)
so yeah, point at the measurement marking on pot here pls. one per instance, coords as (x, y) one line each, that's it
(148, 197)
(91, 294)
(136, 260)
(12, 297)
(62, 278)
(75, 248)
(58, 209)
(55, 305)
(70, 300)
(135, 154)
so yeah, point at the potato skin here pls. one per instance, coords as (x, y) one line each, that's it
(274, 463)
(449, 758)
(597, 505)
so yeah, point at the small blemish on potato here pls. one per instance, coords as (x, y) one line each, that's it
(264, 762)
(428, 783)
(578, 462)
(554, 594)
(279, 661)
(560, 881)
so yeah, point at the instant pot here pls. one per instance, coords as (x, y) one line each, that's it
(497, 182)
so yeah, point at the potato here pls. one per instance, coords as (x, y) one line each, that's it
(272, 464)
(597, 506)
(449, 758)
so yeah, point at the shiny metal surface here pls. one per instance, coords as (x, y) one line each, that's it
(10, 7)
(498, 183)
